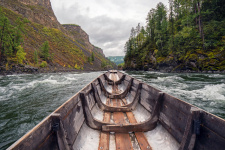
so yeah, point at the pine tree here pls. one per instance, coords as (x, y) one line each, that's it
(92, 56)
(45, 50)
(10, 36)
(20, 55)
(35, 57)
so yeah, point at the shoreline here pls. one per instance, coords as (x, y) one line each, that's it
(40, 71)
(183, 71)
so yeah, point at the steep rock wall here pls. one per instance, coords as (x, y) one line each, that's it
(38, 11)
(78, 33)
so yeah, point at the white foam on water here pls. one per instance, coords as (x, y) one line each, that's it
(71, 78)
(97, 113)
(141, 114)
(160, 139)
(215, 75)
(168, 79)
(208, 92)
(6, 97)
(87, 139)
(2, 90)
(211, 92)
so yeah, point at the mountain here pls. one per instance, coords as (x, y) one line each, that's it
(69, 45)
(116, 59)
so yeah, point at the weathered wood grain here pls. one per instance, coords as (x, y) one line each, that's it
(142, 140)
(123, 141)
(104, 136)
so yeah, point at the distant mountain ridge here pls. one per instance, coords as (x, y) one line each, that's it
(69, 44)
(116, 59)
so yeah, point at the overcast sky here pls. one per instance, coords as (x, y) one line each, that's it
(107, 22)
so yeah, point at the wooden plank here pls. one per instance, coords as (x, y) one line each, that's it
(40, 138)
(73, 123)
(176, 118)
(127, 78)
(104, 136)
(135, 83)
(179, 104)
(210, 121)
(147, 99)
(123, 141)
(142, 140)
(170, 127)
(209, 140)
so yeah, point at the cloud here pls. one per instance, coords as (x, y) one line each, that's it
(108, 23)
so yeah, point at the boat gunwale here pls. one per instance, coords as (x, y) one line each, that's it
(36, 127)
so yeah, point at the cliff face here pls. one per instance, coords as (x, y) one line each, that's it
(38, 11)
(69, 45)
(78, 33)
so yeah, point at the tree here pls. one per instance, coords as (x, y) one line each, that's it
(193, 27)
(35, 57)
(161, 28)
(10, 37)
(92, 56)
(6, 31)
(45, 50)
(20, 55)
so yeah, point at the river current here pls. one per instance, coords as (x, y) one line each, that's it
(25, 100)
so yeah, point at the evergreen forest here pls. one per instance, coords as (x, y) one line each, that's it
(186, 35)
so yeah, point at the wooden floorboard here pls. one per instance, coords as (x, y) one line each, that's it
(104, 136)
(123, 141)
(141, 138)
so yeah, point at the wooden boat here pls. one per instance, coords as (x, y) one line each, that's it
(117, 96)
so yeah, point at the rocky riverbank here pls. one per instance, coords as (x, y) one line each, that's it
(26, 69)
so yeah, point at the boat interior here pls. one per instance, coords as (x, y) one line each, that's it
(116, 111)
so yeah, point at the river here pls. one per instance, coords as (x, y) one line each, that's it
(27, 99)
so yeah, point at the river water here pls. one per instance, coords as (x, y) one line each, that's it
(27, 99)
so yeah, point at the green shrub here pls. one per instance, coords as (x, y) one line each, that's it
(43, 64)
(77, 67)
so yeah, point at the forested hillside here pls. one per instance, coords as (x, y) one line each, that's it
(32, 40)
(189, 35)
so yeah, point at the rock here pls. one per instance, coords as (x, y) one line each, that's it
(216, 71)
(72, 28)
(193, 64)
